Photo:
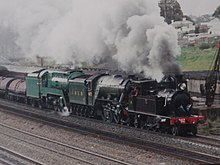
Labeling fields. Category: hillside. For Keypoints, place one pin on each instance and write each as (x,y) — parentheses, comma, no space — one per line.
(194,59)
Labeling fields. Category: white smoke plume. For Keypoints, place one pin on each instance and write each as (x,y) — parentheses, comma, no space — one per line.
(129,34)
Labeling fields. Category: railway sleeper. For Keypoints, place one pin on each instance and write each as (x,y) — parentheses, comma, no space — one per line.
(109,113)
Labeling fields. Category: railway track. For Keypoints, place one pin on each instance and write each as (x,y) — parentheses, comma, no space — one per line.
(208,140)
(19,156)
(190,155)
(200,141)
(57,147)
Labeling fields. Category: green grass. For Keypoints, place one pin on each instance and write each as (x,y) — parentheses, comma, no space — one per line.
(209,126)
(195,59)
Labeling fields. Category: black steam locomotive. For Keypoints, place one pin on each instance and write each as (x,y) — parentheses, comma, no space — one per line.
(165,106)
(144,103)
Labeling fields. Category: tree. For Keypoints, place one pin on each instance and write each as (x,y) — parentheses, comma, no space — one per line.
(170,10)
(217,13)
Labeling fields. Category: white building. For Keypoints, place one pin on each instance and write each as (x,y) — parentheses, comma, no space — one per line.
(214,26)
(208,32)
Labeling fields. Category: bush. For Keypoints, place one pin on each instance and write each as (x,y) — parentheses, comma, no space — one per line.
(204,46)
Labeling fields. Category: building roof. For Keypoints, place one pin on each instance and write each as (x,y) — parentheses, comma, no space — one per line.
(182,23)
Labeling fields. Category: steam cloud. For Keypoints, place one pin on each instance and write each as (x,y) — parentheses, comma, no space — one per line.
(128,34)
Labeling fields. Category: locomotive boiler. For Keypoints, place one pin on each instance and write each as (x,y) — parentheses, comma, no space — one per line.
(97,95)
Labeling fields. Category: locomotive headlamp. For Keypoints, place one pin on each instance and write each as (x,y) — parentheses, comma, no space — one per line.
(182,86)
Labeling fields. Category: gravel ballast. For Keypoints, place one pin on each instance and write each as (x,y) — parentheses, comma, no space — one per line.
(123,152)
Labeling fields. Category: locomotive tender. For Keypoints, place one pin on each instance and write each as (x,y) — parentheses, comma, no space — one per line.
(165,106)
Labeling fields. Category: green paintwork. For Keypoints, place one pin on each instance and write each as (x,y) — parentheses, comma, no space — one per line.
(78,93)
(44,83)
(32,86)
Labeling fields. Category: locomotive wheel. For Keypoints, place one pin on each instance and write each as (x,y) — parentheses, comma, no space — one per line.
(107,116)
(130,121)
(142,124)
(74,109)
(32,103)
(136,122)
(80,109)
(10,98)
(139,122)
(117,118)
(194,130)
(175,130)
(56,108)
(83,111)
(26,101)
(40,104)
(86,112)
(91,112)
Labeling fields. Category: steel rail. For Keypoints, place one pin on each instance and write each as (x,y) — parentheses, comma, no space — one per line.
(61,144)
(197,157)
(5,162)
(23,157)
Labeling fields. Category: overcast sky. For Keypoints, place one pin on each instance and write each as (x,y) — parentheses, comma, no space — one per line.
(199,7)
